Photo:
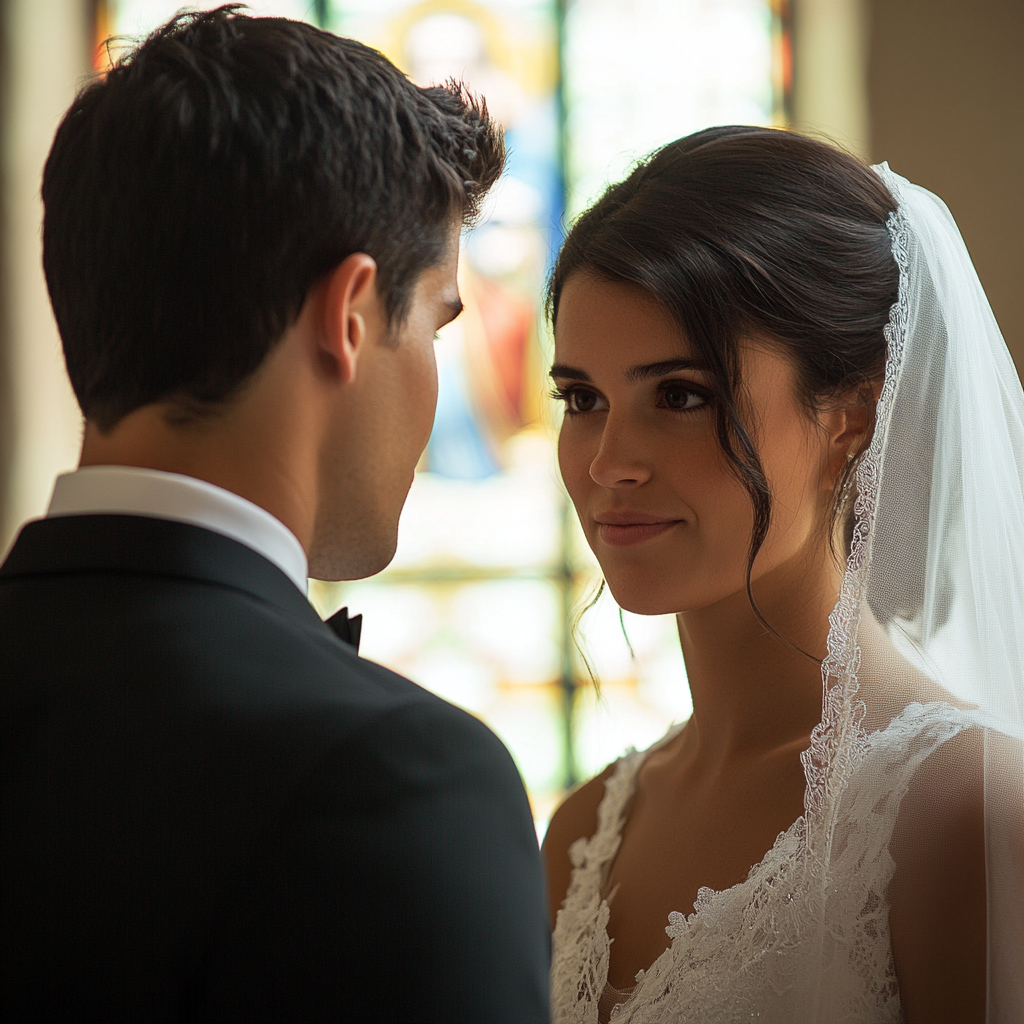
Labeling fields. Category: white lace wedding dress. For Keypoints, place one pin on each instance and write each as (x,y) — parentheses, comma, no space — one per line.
(926,644)
(754,952)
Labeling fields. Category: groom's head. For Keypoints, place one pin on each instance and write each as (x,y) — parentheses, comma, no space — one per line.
(235,184)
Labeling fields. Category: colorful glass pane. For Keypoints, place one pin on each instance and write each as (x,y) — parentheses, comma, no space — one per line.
(482,601)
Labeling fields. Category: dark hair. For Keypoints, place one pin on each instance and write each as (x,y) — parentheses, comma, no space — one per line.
(196,193)
(753,232)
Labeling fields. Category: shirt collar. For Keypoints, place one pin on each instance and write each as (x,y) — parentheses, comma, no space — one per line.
(129,490)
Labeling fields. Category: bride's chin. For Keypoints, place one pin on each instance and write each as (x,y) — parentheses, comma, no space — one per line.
(668,593)
(640,599)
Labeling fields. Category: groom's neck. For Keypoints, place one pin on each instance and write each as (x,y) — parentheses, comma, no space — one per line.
(262,445)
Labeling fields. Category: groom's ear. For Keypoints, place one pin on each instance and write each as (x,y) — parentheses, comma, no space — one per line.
(352,316)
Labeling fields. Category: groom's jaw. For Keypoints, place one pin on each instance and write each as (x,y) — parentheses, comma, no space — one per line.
(383,423)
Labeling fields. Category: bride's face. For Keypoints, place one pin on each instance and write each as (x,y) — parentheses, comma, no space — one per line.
(667,519)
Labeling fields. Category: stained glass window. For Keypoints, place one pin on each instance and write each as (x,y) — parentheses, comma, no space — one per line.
(482,603)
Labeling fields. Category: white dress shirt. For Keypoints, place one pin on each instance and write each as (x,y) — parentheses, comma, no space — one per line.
(127,490)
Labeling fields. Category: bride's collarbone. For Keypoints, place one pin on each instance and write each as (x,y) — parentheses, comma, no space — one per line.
(686,830)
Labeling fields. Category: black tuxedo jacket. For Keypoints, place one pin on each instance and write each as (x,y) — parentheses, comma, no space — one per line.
(212,810)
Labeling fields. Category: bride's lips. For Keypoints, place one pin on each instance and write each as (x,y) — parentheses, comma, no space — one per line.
(620,529)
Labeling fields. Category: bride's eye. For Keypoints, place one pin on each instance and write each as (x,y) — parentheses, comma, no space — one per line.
(577,400)
(680,397)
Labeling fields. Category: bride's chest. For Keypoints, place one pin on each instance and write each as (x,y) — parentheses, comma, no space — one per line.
(777,947)
(681,836)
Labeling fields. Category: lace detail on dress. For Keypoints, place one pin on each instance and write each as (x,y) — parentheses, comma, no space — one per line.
(583,934)
(804,938)
(611,999)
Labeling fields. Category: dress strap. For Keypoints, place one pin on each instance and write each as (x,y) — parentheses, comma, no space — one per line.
(590,857)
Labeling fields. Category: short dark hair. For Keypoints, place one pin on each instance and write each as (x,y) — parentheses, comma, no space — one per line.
(196,192)
(753,232)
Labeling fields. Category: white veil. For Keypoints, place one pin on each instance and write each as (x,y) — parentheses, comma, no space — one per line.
(937,561)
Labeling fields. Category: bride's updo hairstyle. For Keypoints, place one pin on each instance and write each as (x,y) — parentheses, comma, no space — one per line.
(744,232)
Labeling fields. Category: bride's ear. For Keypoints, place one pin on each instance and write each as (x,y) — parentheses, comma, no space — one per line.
(850,424)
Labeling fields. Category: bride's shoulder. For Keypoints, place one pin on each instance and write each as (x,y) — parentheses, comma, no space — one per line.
(958,850)
(967,765)
(937,893)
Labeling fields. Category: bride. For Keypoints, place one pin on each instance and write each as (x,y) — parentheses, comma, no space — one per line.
(790,420)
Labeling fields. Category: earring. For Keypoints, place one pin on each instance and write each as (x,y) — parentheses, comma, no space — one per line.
(849,456)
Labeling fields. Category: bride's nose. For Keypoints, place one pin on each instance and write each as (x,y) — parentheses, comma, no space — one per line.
(620,460)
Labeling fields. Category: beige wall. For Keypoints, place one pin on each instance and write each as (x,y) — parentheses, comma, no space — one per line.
(830,58)
(45,56)
(945,84)
(936,87)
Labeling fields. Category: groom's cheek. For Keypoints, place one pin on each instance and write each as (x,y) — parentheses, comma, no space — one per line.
(418,391)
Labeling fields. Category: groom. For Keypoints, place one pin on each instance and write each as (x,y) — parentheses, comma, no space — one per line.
(213,810)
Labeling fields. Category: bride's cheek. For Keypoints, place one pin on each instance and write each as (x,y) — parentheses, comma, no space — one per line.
(574,460)
(719,537)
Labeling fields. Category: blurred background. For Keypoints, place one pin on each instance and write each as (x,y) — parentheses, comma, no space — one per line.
(485,600)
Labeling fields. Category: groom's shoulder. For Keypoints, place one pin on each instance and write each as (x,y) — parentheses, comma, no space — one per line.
(390,708)
(181,618)
(380,734)
(404,732)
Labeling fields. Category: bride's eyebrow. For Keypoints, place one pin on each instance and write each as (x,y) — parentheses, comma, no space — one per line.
(570,373)
(638,373)
(633,375)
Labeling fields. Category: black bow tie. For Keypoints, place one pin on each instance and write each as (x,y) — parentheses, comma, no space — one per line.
(347,630)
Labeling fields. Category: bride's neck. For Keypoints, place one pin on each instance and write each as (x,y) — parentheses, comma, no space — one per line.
(751,692)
